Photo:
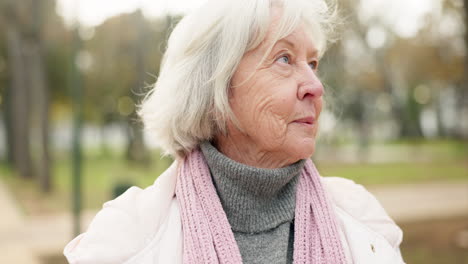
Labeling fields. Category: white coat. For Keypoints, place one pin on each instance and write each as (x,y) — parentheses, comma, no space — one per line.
(144,226)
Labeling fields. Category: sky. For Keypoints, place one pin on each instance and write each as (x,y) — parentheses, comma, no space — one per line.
(405,16)
(94,12)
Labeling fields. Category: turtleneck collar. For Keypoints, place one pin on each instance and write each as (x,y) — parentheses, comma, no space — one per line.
(254,199)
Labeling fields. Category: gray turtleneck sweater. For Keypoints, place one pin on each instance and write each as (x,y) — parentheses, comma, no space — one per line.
(259,204)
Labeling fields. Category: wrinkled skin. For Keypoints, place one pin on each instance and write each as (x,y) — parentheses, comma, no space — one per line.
(270,102)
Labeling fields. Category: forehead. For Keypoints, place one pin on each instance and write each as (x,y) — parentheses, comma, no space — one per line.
(300,37)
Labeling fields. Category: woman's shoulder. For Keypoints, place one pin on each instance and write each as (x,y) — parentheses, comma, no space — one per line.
(359,203)
(124,225)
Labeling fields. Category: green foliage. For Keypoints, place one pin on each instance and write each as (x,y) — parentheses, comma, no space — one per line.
(398,173)
(105,169)
(101,173)
(431,161)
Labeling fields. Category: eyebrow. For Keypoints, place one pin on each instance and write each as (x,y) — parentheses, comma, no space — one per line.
(293,46)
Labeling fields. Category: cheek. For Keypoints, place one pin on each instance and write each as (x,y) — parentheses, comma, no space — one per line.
(271,115)
(264,110)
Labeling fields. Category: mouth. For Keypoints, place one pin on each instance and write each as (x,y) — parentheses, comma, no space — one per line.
(310,120)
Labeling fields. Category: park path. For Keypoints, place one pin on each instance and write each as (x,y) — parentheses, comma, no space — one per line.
(416,202)
(23,239)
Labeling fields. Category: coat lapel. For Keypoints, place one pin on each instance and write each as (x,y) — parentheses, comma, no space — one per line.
(366,246)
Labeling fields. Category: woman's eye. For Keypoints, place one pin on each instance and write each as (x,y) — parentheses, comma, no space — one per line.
(283,59)
(313,65)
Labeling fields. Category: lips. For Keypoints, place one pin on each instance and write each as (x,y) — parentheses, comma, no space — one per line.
(306,120)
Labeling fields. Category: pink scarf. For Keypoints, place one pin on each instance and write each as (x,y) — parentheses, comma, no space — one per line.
(208,237)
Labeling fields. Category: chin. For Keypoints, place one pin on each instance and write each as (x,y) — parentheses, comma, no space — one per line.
(304,149)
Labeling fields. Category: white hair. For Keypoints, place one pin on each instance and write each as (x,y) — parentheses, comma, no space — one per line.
(190,100)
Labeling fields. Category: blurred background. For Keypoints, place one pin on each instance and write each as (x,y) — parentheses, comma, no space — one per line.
(72,71)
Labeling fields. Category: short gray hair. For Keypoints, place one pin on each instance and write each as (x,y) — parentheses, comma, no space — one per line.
(190,100)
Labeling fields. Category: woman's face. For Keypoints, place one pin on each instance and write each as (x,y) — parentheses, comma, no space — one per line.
(277,103)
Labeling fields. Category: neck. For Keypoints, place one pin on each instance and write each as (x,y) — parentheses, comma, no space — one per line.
(247,152)
(254,199)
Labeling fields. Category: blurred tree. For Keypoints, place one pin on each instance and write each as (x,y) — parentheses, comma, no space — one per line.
(409,73)
(136,149)
(28,93)
(4,99)
(463,100)
(40,91)
(18,94)
(125,53)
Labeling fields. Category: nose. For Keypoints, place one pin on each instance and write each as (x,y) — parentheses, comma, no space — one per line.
(309,84)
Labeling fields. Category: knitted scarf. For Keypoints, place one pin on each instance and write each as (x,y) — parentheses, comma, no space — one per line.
(208,237)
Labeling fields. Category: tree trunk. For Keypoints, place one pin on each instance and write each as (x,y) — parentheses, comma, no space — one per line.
(41,95)
(7,108)
(136,149)
(464,87)
(19,111)
(441,133)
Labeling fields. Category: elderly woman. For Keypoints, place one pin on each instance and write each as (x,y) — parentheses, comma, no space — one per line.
(237,105)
